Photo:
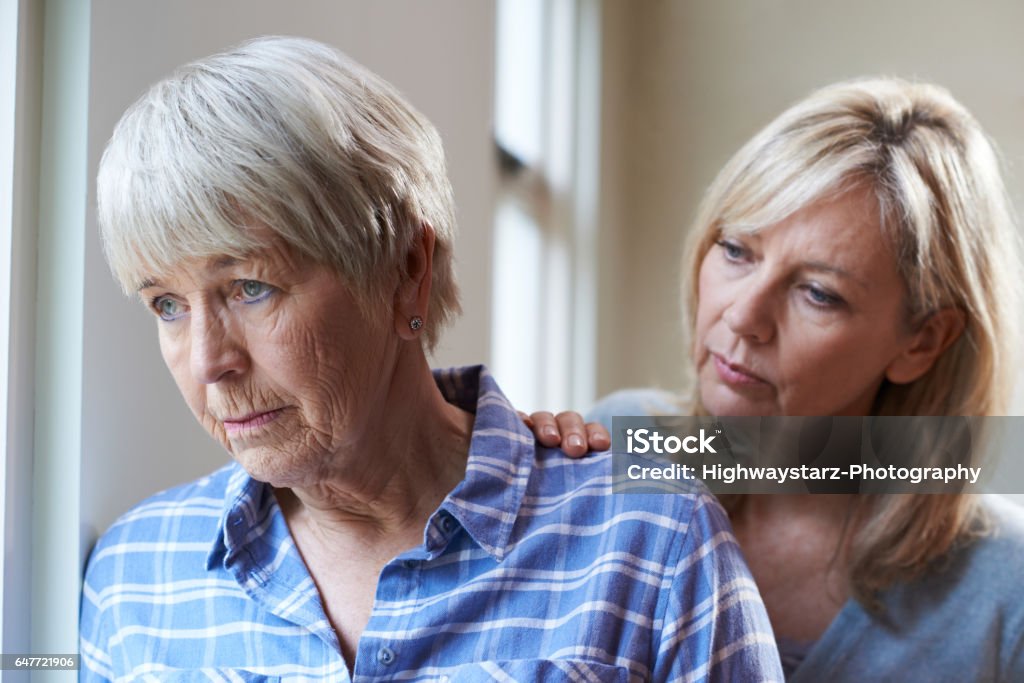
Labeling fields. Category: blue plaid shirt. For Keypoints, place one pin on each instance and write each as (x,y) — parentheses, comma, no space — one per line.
(530,570)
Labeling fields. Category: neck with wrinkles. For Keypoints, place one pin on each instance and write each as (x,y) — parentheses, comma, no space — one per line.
(396,472)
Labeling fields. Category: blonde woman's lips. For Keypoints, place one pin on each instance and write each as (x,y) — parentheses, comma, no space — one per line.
(250,422)
(736,375)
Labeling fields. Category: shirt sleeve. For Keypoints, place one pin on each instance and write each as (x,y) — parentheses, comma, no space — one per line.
(1013,630)
(715,626)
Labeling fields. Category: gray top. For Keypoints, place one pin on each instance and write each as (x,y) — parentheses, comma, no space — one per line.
(793,653)
(963,622)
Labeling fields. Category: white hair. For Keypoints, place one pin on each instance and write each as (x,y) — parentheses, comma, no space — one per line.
(289,134)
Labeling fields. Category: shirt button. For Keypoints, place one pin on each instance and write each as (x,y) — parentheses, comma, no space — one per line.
(386,656)
(447,523)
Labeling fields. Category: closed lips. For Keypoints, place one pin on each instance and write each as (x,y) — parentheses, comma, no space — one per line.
(735,373)
(255,419)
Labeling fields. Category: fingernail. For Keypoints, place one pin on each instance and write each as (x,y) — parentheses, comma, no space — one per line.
(575,441)
(550,432)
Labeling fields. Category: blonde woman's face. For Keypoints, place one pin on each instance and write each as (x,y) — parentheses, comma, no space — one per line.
(805,317)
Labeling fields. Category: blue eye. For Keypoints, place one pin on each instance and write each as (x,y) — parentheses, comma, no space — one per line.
(253,291)
(732,250)
(817,296)
(167,309)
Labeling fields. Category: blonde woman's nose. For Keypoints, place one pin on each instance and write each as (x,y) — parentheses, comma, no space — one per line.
(751,313)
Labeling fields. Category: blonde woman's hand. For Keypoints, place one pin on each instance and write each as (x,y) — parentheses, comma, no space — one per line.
(568,432)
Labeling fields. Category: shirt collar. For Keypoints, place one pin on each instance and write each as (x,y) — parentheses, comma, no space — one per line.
(244,498)
(501,455)
(485,503)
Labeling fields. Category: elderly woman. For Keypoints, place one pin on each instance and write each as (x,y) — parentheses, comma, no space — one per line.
(286,217)
(857,257)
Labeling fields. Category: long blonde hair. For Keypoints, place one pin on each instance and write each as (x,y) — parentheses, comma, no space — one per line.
(944,208)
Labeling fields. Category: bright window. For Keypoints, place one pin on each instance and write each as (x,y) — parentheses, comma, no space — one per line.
(544,305)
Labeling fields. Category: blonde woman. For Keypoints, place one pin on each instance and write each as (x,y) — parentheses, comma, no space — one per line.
(858,257)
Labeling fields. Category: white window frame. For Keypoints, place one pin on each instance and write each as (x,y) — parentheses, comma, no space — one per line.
(44,73)
(20,74)
(544,330)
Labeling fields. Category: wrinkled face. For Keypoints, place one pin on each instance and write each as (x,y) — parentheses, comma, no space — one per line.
(273,356)
(804,317)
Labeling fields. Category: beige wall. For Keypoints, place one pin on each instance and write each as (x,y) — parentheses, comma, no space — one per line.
(687,82)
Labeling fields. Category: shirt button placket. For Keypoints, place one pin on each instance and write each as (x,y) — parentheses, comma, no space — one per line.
(386,656)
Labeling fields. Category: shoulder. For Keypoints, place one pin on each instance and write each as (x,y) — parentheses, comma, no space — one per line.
(978,580)
(182,519)
(592,488)
(966,611)
(996,575)
(997,559)
(685,536)
(676,561)
(984,570)
(662,568)
(199,499)
(1007,516)
(157,571)
(642,401)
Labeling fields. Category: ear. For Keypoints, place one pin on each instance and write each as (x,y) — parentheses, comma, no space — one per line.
(412,296)
(935,335)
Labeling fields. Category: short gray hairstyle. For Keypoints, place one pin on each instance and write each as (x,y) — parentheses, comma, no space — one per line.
(290,134)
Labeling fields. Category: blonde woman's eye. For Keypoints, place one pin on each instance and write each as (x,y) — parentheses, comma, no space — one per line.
(821,298)
(253,291)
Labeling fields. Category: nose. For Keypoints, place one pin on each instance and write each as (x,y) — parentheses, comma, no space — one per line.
(751,314)
(217,350)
